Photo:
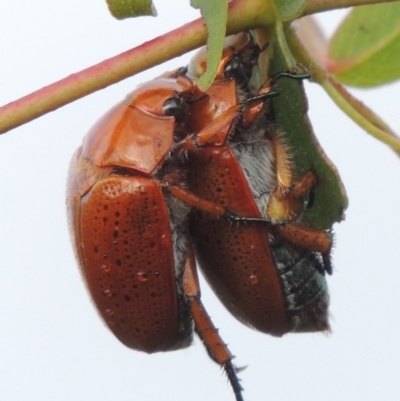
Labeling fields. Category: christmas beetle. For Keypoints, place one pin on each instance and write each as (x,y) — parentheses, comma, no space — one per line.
(127,210)
(128,207)
(270,278)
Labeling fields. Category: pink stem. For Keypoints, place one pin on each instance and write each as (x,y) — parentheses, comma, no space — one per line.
(115,69)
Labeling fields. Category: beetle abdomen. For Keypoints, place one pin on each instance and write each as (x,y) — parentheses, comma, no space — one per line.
(305,287)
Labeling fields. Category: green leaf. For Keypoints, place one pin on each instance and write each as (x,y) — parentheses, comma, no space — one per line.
(365,50)
(290,10)
(290,114)
(215,14)
(121,9)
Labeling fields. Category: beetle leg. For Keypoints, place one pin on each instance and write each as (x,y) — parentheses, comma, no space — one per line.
(310,238)
(266,92)
(195,201)
(286,203)
(282,161)
(305,237)
(212,130)
(205,328)
(248,110)
(302,185)
(287,200)
(205,205)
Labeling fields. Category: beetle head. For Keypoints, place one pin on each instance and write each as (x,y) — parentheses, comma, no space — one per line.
(239,56)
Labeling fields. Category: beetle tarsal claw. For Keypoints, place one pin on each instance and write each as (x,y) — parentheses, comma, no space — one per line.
(261,96)
(232,216)
(291,74)
(231,372)
(239,369)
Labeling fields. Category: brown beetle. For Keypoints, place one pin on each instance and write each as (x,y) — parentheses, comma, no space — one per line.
(127,213)
(270,279)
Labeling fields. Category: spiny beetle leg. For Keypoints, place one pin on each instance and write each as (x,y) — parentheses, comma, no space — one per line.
(306,237)
(218,124)
(205,205)
(303,184)
(287,200)
(209,133)
(205,329)
(309,238)
(194,200)
(283,162)
(264,93)
(231,371)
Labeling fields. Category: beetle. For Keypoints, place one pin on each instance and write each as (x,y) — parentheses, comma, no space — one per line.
(128,205)
(271,279)
(127,211)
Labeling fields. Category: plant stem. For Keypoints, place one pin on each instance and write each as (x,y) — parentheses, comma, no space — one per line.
(243,14)
(359,113)
(361,120)
(281,38)
(102,75)
(317,6)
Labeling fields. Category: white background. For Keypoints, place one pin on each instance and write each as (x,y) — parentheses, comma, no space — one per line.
(53,345)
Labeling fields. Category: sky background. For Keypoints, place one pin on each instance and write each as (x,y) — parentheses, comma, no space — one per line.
(53,345)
